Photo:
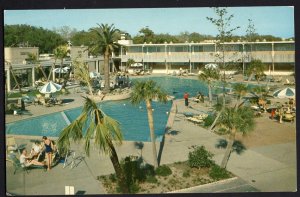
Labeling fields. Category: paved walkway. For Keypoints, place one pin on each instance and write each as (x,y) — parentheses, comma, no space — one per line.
(263,168)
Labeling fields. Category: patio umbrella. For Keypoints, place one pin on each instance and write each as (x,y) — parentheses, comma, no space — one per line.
(60,70)
(285,93)
(211,66)
(50,87)
(137,65)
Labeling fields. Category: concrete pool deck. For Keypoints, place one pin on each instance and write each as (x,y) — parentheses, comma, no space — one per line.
(268,164)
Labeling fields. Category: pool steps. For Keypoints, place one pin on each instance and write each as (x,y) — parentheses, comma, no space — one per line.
(65,118)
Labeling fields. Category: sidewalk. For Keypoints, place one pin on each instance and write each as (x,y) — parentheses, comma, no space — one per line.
(263,167)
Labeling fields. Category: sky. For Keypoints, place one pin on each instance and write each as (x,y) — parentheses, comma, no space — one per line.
(277,21)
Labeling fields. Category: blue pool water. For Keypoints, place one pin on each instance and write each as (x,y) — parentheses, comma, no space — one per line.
(133,119)
(177,86)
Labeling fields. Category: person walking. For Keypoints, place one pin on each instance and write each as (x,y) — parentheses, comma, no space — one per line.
(186,99)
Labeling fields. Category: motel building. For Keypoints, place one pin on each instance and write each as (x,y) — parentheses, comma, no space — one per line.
(279,56)
(27,73)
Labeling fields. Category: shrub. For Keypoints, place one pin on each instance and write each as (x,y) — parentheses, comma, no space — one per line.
(151,179)
(217,173)
(113,177)
(163,170)
(186,173)
(148,170)
(222,130)
(200,157)
(209,120)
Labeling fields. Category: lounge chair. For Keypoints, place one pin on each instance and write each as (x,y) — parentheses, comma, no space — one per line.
(288,82)
(279,79)
(17,165)
(11,144)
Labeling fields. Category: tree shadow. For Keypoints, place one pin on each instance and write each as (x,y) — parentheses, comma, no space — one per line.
(139,145)
(67,100)
(161,147)
(173,132)
(237,146)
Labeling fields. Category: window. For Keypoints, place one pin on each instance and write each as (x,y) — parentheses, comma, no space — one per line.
(24,53)
(284,47)
(209,48)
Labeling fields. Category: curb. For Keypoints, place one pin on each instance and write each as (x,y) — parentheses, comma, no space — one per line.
(186,190)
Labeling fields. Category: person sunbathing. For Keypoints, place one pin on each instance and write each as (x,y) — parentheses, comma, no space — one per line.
(28,161)
(36,149)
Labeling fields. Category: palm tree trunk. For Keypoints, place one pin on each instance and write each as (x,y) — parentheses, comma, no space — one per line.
(152,134)
(228,149)
(119,172)
(90,87)
(210,94)
(106,71)
(216,119)
(13,75)
(61,65)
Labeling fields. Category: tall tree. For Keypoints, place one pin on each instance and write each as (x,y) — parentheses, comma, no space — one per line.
(66,32)
(256,68)
(105,131)
(26,35)
(240,90)
(147,91)
(236,120)
(81,72)
(105,44)
(250,36)
(225,31)
(129,63)
(60,53)
(209,75)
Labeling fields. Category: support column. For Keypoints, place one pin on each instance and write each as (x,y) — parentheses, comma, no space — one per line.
(8,80)
(33,76)
(167,69)
(243,58)
(273,54)
(190,57)
(97,66)
(53,75)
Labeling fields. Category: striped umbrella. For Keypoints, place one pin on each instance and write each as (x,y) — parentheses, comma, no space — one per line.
(212,66)
(285,93)
(50,87)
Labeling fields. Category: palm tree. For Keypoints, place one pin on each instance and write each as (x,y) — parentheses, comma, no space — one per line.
(236,120)
(209,75)
(147,91)
(255,68)
(81,72)
(129,63)
(240,90)
(102,129)
(106,44)
(60,53)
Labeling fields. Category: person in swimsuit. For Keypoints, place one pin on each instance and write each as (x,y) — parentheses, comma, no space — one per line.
(48,150)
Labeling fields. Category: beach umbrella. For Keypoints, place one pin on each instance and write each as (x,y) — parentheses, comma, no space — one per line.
(214,66)
(137,65)
(50,87)
(60,70)
(285,93)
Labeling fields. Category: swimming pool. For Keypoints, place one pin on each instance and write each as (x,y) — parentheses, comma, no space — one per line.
(133,119)
(177,86)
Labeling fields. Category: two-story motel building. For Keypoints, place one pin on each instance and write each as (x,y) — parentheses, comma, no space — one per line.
(278,56)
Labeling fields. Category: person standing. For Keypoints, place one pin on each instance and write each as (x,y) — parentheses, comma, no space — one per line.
(186,99)
(48,150)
